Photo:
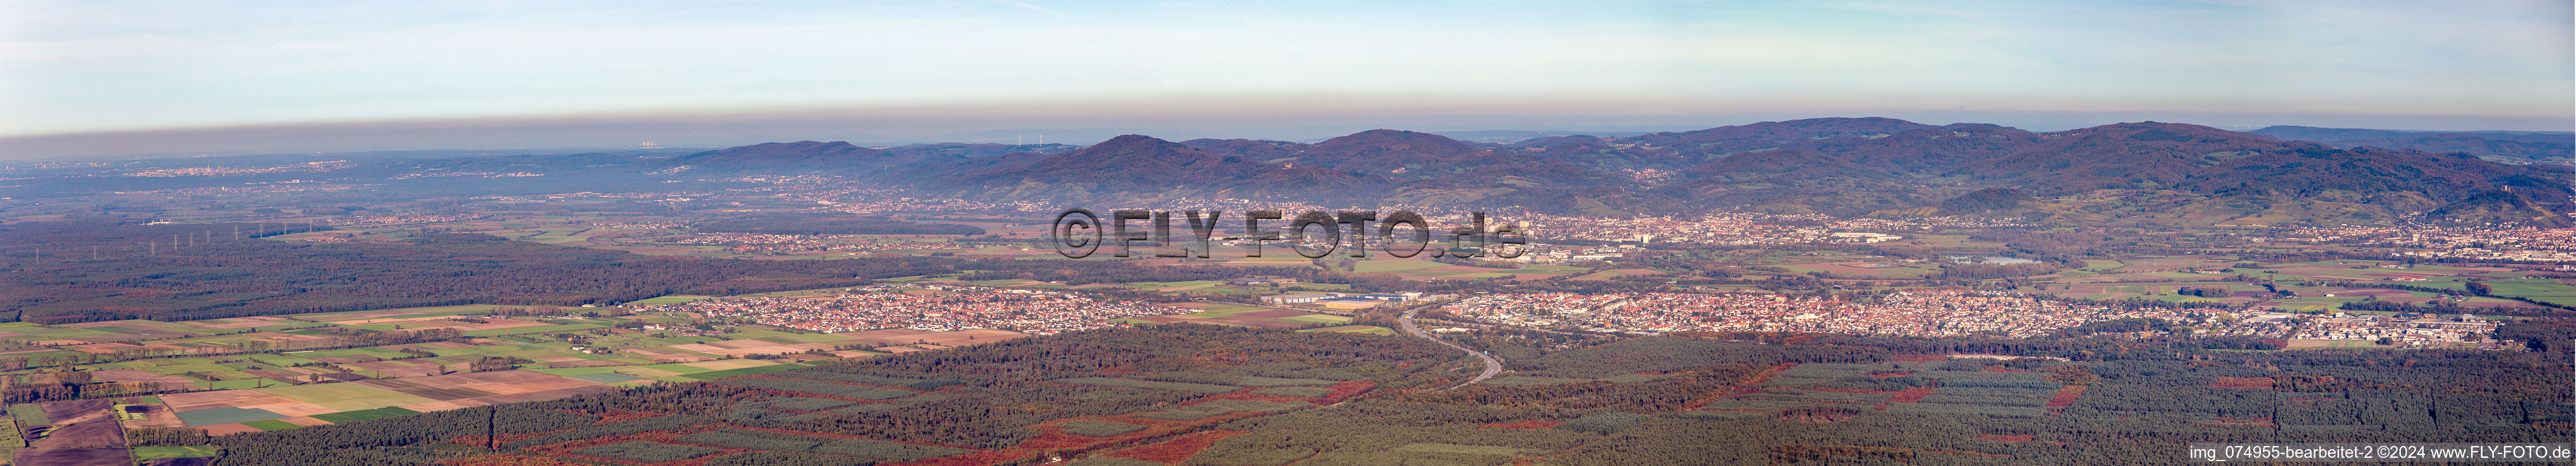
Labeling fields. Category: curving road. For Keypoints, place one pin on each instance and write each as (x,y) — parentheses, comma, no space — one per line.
(1492,366)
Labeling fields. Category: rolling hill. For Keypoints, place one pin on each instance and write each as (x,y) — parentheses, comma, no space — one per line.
(2511,147)
(2162,173)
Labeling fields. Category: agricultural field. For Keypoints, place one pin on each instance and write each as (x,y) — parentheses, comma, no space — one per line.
(2234,292)
(77,432)
(184,451)
(1616,274)
(230,411)
(2551,291)
(2161,278)
(1876,270)
(251,374)
(72,457)
(1361,329)
(608,385)
(782,415)
(1244,315)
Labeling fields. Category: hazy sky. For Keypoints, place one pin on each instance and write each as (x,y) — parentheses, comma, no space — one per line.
(97,77)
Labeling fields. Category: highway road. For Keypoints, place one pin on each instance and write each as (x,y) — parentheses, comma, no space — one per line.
(1492,366)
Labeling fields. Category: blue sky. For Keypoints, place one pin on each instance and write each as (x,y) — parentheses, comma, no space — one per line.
(191,70)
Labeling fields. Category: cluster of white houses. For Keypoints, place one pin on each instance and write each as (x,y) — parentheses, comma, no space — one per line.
(1343,300)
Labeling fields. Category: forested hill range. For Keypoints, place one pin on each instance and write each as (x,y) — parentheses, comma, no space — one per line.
(2128,174)
(2501,146)
(2188,174)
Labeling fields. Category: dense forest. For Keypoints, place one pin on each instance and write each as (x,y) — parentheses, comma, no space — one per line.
(974,398)
(1203,395)
(209,274)
(1814,399)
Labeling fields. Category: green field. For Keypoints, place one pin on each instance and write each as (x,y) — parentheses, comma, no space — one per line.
(1550,269)
(2549,291)
(1183,285)
(63,333)
(345,396)
(411,312)
(1366,329)
(271,424)
(364,414)
(240,384)
(28,414)
(1395,265)
(1228,309)
(670,368)
(538,329)
(195,451)
(575,370)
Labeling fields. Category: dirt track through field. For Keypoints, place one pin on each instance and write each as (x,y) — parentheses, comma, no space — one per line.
(1492,366)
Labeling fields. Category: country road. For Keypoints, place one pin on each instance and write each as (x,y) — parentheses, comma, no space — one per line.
(1492,366)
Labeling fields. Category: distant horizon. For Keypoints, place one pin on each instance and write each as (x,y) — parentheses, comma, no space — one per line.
(161,77)
(1009,232)
(426,136)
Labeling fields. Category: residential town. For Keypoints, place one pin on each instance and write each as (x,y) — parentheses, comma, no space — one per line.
(1914,313)
(2411,331)
(764,241)
(1724,228)
(235,171)
(2437,242)
(1931,313)
(1741,228)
